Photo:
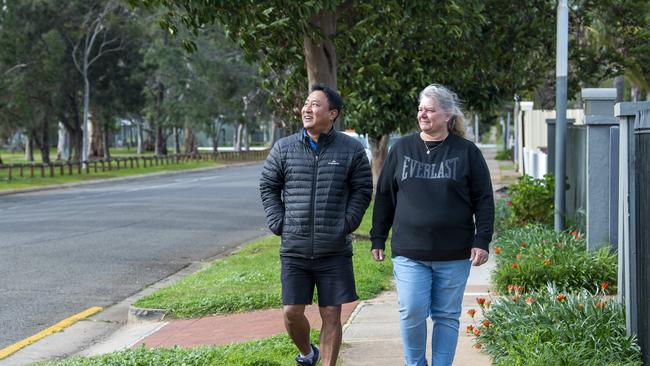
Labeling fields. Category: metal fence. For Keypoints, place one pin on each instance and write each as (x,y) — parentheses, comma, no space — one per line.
(576,172)
(642,212)
(60,169)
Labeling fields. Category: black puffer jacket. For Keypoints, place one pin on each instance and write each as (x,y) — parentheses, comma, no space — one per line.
(316,199)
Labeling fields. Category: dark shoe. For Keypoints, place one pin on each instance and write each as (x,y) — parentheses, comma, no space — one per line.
(314,360)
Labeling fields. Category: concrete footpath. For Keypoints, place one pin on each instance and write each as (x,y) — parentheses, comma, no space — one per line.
(370,335)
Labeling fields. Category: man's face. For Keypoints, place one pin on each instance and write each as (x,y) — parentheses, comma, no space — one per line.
(316,114)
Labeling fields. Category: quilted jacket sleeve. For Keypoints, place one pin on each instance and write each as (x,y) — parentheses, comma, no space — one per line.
(360,185)
(271,186)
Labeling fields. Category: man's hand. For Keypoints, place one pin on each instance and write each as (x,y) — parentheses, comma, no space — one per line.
(479,256)
(378,254)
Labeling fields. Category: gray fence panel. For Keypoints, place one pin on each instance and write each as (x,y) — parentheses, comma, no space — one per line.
(613,186)
(576,171)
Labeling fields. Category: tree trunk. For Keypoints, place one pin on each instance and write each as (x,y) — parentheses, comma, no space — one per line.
(86,141)
(379,149)
(45,140)
(29,148)
(96,136)
(215,136)
(140,149)
(63,144)
(320,55)
(244,136)
(106,141)
(619,84)
(159,116)
(177,144)
(189,142)
(238,137)
(278,130)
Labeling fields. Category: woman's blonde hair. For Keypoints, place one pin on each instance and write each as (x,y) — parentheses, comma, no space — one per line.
(449,103)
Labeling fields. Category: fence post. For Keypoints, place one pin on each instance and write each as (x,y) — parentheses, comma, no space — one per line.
(627,244)
(641,181)
(550,142)
(599,117)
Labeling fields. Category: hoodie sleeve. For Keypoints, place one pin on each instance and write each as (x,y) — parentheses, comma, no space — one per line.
(482,199)
(385,200)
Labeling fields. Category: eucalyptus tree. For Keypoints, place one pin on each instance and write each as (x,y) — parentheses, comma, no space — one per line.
(31,52)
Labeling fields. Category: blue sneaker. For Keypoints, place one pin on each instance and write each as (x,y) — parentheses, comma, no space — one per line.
(300,361)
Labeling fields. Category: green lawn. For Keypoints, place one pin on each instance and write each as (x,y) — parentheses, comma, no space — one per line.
(26,182)
(250,280)
(19,157)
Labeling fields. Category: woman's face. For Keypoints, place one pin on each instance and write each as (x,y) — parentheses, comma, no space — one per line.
(431,118)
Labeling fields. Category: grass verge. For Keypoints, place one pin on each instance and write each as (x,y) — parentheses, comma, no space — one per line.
(250,280)
(26,182)
(273,351)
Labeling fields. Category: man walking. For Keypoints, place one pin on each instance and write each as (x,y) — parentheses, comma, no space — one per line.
(315,187)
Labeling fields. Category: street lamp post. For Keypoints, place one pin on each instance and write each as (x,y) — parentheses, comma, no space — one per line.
(560,107)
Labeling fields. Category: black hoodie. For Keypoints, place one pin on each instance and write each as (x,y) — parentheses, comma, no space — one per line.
(439,205)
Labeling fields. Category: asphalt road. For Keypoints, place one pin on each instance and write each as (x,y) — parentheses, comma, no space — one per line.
(66,250)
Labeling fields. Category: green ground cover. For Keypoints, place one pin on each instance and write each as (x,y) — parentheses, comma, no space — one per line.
(273,351)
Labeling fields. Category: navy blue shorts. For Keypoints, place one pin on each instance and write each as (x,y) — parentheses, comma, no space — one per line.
(333,277)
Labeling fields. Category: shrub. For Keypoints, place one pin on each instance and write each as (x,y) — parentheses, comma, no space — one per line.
(555,328)
(533,256)
(504,154)
(502,214)
(532,200)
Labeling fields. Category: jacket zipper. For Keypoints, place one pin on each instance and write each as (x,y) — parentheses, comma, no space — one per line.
(313,203)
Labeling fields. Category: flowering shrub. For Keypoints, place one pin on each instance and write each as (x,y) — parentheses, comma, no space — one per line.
(556,328)
(532,200)
(533,256)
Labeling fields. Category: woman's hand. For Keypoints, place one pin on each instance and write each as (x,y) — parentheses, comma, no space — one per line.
(479,256)
(378,254)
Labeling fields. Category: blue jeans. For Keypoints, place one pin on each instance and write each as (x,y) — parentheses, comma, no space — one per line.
(432,289)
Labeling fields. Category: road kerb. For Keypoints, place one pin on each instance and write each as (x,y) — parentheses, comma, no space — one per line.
(8,351)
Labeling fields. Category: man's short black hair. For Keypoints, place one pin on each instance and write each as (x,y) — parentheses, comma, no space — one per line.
(333,97)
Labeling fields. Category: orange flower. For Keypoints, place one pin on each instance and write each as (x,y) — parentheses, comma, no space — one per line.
(600,304)
(511,288)
(547,262)
(576,234)
(519,288)
(509,203)
(470,328)
(530,300)
(604,286)
(515,265)
(486,323)
(523,244)
(480,301)
(560,297)
(477,346)
(476,332)
(497,250)
(471,312)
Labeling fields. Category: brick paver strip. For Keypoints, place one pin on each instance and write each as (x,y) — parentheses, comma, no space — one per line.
(234,328)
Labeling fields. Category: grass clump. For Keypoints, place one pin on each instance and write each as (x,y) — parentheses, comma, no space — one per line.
(533,256)
(556,328)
